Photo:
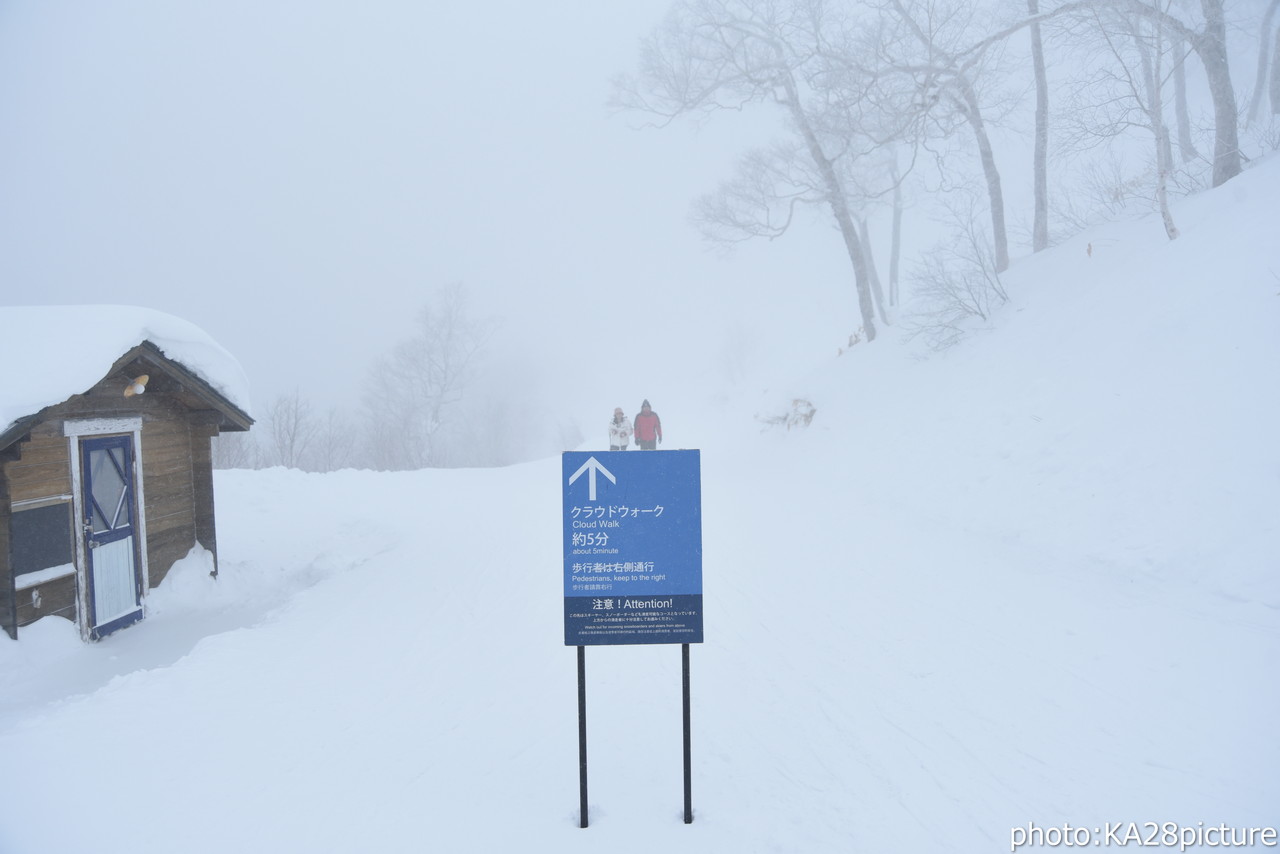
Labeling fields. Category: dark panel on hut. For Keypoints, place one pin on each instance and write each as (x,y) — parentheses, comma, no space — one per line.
(40,538)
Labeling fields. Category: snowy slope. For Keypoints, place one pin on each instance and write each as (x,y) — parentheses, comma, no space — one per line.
(1033,579)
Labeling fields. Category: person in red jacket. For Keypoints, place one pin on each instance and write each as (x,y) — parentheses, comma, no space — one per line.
(648,428)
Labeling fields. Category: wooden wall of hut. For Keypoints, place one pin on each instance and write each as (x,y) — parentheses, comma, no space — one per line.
(177,485)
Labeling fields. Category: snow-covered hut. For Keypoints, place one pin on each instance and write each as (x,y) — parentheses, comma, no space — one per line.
(106,475)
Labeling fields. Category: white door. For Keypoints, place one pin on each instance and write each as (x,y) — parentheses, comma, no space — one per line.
(110,534)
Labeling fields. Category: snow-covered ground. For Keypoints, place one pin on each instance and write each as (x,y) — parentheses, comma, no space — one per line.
(1033,580)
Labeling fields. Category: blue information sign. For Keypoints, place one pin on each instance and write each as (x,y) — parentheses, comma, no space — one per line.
(632,547)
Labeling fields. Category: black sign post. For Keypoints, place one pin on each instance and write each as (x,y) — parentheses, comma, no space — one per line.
(582,736)
(632,566)
(688,748)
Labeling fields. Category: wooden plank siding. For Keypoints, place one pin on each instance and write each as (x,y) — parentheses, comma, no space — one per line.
(43,470)
(55,598)
(168,486)
(202,488)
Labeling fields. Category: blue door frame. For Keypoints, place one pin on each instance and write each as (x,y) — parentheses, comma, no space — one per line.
(109,527)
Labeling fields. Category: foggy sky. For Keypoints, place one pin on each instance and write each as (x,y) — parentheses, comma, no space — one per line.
(298,177)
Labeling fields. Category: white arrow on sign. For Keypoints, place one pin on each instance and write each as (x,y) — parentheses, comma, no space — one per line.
(591,466)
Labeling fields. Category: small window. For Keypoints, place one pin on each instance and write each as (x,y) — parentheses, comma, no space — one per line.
(40,538)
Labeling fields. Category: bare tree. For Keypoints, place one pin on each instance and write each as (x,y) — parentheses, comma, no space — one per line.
(336,441)
(1264,60)
(1126,90)
(292,429)
(1040,165)
(895,241)
(1275,76)
(413,391)
(1186,146)
(945,51)
(1153,54)
(236,451)
(714,55)
(956,282)
(769,185)
(1209,41)
(877,290)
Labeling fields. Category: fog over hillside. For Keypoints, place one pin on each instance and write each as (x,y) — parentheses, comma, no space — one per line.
(302,179)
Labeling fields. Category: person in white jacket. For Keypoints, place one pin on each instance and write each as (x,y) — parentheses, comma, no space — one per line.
(619,431)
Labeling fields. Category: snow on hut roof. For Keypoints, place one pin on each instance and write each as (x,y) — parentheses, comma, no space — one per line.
(54,352)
